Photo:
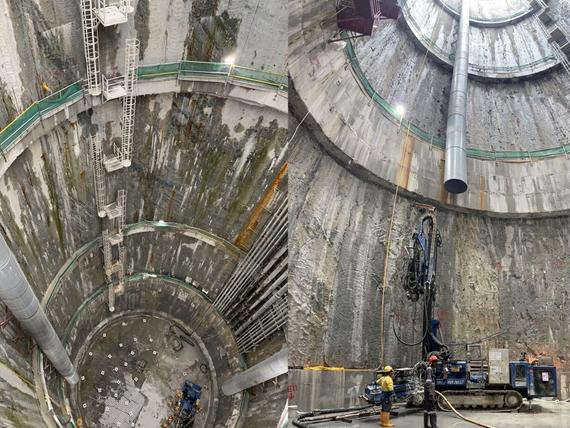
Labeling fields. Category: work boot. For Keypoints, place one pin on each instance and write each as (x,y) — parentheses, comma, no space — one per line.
(426,420)
(433,420)
(385,419)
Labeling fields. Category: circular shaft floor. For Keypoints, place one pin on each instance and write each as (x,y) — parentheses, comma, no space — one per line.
(131,370)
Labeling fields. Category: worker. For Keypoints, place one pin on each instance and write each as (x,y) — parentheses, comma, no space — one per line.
(430,417)
(387,387)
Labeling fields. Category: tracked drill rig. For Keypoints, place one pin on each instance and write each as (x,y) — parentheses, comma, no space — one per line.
(495,382)
(420,282)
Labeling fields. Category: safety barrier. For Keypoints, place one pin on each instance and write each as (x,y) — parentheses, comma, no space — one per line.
(198,68)
(437,141)
(22,124)
(182,70)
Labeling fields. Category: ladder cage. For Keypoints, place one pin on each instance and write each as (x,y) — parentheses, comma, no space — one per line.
(129,101)
(98,174)
(89,23)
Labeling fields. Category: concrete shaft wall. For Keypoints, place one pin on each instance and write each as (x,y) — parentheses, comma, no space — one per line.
(199,160)
(494,275)
(515,116)
(18,402)
(357,132)
(42,41)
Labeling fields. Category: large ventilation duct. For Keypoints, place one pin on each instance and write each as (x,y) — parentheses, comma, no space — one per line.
(17,294)
(268,369)
(456,134)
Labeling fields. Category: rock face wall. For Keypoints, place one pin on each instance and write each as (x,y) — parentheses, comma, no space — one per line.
(495,275)
(198,160)
(42,41)
(18,402)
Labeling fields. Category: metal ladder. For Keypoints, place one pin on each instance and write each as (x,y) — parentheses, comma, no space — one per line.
(561,56)
(91,46)
(129,101)
(99,175)
(108,13)
(115,267)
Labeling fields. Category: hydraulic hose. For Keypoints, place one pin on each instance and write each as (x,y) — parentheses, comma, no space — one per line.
(407,343)
(465,418)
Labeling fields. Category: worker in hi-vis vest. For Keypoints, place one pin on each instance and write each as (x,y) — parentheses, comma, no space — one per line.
(387,386)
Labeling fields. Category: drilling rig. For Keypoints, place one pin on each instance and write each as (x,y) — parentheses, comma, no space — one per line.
(495,382)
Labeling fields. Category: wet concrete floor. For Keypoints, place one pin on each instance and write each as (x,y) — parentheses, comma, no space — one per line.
(544,415)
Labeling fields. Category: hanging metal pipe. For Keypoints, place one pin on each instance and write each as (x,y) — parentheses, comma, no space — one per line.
(456,134)
(17,294)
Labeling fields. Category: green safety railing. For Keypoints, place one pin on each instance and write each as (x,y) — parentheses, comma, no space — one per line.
(198,68)
(22,124)
(391,113)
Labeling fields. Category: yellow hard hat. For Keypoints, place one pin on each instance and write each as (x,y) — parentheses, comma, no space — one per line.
(388,369)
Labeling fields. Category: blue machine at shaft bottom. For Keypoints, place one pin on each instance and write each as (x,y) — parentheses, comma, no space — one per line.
(190,396)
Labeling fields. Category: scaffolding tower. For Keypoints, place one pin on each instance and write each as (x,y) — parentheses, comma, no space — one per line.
(129,101)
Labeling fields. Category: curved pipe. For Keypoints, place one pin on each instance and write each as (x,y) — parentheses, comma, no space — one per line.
(456,133)
(17,294)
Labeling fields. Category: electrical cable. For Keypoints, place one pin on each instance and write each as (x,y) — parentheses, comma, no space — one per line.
(465,418)
(388,242)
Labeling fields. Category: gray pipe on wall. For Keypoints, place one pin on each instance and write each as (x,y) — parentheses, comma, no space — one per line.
(456,133)
(17,294)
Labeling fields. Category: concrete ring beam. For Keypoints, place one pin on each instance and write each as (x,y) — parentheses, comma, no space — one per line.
(485,64)
(220,89)
(496,21)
